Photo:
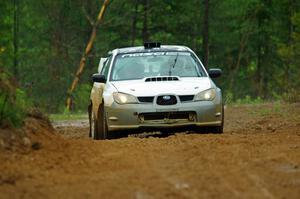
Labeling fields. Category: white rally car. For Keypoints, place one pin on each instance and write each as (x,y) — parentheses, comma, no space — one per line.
(154,87)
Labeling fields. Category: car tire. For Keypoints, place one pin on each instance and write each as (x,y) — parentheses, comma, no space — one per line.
(213,129)
(218,129)
(117,134)
(98,125)
(90,119)
(93,127)
(102,131)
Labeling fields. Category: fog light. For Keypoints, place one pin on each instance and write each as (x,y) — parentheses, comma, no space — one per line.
(142,119)
(191,117)
(113,118)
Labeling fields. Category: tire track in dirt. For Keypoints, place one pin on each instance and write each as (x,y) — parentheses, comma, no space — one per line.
(258,156)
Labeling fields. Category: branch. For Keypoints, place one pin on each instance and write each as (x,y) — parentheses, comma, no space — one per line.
(87,16)
(87,51)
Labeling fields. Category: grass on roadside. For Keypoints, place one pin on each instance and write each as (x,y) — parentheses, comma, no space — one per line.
(68,116)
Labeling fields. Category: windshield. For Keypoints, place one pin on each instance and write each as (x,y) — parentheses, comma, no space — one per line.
(140,65)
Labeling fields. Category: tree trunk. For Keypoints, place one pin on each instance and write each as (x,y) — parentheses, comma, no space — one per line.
(264,60)
(87,51)
(15,42)
(206,33)
(287,74)
(145,24)
(259,72)
(134,20)
(235,70)
(196,28)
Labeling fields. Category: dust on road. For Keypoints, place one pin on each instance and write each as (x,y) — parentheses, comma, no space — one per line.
(258,156)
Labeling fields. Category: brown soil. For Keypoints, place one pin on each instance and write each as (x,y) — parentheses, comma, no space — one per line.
(258,156)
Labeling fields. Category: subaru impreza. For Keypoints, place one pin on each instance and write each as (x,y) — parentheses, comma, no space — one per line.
(154,88)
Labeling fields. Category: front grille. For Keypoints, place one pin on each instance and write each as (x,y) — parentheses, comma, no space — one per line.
(165,115)
(146,99)
(184,98)
(166,100)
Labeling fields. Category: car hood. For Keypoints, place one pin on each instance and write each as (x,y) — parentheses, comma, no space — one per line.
(185,86)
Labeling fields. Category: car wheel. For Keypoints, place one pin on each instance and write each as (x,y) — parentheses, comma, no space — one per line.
(218,129)
(93,127)
(215,129)
(117,134)
(212,129)
(90,118)
(102,130)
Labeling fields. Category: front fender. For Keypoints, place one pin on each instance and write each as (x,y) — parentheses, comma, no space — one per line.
(96,97)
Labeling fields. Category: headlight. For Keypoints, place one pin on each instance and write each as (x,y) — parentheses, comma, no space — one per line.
(122,98)
(207,95)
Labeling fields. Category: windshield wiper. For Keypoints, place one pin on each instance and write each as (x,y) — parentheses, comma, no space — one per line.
(172,66)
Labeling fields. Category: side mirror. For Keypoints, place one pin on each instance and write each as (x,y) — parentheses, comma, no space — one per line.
(98,78)
(214,72)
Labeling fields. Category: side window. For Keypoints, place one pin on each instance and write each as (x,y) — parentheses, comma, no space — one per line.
(105,69)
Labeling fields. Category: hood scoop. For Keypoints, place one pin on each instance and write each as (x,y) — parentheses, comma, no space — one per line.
(162,78)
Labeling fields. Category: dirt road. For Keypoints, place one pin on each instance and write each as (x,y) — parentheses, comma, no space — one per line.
(258,156)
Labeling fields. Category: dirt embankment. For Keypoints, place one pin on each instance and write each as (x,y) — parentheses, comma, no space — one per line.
(36,129)
(258,156)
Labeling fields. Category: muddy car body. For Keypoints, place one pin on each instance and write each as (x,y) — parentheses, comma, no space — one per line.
(152,87)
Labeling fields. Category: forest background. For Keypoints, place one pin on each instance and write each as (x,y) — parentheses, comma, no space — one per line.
(255,42)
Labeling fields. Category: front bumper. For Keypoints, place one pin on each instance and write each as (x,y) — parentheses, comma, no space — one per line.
(131,116)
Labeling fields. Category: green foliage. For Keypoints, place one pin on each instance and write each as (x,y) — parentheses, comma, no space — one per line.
(249,100)
(255,42)
(291,96)
(276,108)
(13,102)
(82,97)
(68,116)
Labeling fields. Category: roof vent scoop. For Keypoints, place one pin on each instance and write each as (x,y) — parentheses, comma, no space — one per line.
(149,45)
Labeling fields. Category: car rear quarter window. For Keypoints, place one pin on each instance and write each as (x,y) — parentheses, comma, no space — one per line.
(105,69)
